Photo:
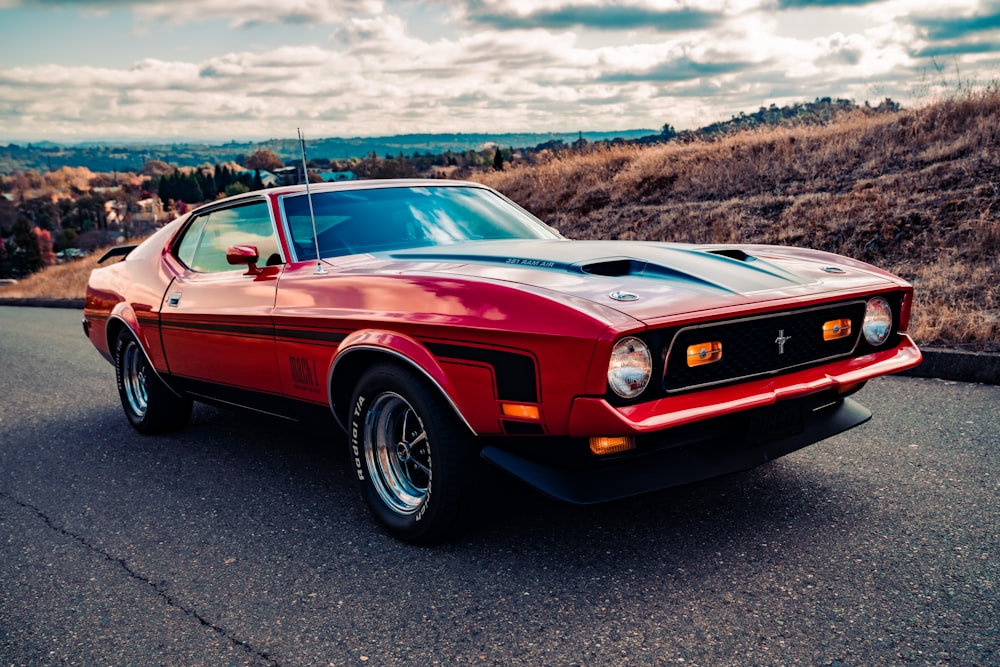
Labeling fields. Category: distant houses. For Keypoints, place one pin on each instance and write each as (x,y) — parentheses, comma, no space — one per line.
(147,212)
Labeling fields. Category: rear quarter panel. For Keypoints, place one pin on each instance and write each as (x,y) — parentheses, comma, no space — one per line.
(131,292)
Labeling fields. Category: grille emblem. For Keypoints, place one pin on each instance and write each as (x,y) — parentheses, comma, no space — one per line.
(781,340)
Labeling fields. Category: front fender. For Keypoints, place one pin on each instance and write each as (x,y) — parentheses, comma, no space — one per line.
(361,348)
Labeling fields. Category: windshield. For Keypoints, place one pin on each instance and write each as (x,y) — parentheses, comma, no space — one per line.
(349,222)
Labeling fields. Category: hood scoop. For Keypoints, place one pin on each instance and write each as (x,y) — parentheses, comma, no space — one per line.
(732,253)
(613,268)
(620,267)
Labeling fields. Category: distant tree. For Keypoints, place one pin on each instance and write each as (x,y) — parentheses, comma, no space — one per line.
(41,212)
(180,187)
(668,131)
(888,106)
(67,238)
(263,159)
(8,216)
(25,258)
(222,177)
(86,213)
(206,183)
(190,190)
(155,168)
(393,168)
(4,260)
(498,160)
(258,183)
(236,188)
(44,240)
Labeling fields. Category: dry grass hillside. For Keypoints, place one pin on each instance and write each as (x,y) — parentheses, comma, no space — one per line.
(917,193)
(62,281)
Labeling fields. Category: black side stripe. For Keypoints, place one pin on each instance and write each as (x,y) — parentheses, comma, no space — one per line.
(311,334)
(252,330)
(515,372)
(238,329)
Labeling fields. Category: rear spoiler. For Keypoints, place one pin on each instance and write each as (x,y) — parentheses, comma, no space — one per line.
(117,251)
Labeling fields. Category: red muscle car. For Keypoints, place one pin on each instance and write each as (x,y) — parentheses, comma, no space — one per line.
(441,325)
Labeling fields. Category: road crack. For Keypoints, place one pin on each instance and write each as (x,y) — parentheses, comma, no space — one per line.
(132,574)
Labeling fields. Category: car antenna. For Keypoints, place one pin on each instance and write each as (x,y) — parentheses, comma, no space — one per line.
(312,214)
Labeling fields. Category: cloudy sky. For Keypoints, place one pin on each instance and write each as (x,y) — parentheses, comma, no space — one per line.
(217,70)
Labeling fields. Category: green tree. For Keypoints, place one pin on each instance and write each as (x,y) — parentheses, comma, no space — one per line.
(4,260)
(41,212)
(25,257)
(498,160)
(8,216)
(236,188)
(206,183)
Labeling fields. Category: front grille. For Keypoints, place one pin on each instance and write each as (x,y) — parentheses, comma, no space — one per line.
(761,345)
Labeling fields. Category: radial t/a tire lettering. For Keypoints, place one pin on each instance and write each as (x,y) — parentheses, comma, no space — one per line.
(415,461)
(151,407)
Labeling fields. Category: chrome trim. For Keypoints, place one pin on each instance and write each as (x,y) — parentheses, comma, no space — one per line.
(781,369)
(398,355)
(624,296)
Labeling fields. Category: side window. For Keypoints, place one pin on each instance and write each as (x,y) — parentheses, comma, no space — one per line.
(203,247)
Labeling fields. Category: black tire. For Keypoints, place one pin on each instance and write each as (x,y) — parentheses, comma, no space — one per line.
(415,461)
(151,407)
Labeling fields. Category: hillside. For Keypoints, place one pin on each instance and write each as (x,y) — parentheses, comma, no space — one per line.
(917,193)
(131,156)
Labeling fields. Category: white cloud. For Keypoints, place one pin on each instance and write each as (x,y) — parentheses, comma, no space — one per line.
(369,70)
(240,13)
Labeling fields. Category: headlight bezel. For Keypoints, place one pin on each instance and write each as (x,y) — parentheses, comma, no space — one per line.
(630,352)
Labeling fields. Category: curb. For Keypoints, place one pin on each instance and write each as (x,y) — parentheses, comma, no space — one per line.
(941,364)
(959,366)
(75,304)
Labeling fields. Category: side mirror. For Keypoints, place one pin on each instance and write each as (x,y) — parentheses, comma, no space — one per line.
(244,255)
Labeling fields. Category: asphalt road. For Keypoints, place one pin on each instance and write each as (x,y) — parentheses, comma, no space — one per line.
(239,542)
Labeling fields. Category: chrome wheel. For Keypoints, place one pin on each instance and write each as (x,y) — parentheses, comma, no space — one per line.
(149,404)
(134,370)
(397,453)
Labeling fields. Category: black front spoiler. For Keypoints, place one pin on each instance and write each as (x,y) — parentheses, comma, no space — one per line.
(673,466)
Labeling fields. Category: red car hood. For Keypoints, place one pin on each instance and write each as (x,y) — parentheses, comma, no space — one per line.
(649,281)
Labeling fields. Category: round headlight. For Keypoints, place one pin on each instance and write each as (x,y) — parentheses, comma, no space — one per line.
(630,367)
(878,321)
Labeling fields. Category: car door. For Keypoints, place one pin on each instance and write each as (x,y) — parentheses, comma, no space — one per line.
(216,318)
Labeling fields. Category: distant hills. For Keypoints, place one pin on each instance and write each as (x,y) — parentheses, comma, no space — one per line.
(131,156)
(125,156)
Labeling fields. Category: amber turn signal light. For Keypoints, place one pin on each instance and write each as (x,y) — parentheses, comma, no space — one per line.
(704,353)
(611,445)
(520,410)
(836,329)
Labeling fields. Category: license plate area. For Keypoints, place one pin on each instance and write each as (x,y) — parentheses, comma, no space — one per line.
(781,420)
